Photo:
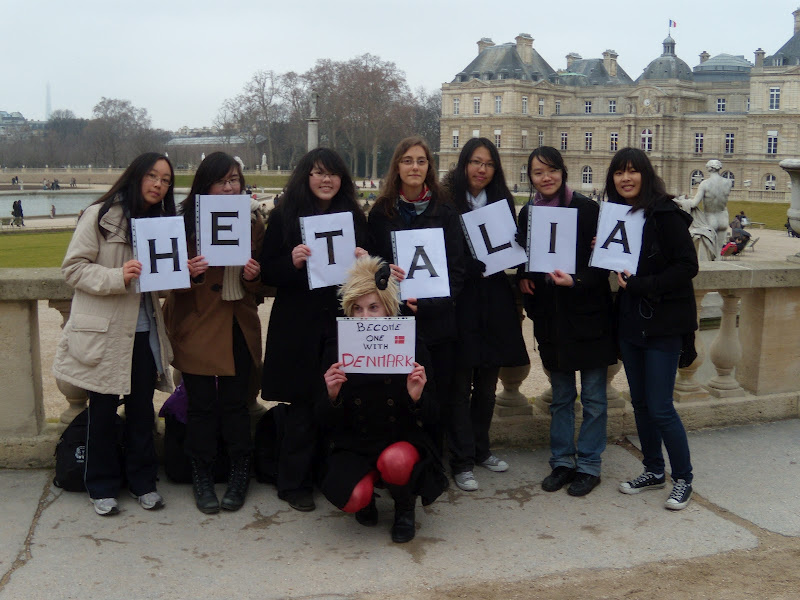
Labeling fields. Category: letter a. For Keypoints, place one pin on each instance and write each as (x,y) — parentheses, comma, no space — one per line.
(420,254)
(620,227)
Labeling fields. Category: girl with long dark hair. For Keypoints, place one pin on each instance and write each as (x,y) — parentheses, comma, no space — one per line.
(115,343)
(216,335)
(657,317)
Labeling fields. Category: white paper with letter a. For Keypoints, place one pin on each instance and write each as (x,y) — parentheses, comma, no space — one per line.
(552,239)
(377,345)
(223,229)
(160,245)
(491,233)
(619,238)
(422,255)
(332,239)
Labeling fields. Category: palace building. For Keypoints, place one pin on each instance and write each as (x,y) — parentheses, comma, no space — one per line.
(745,114)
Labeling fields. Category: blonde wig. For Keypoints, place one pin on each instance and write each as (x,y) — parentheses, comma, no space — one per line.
(364,278)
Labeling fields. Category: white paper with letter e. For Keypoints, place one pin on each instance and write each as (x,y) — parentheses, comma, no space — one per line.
(377,345)
(552,239)
(619,238)
(491,233)
(160,245)
(422,255)
(332,239)
(223,229)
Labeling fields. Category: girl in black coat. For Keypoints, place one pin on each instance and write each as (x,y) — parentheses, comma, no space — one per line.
(489,328)
(373,423)
(301,319)
(573,328)
(410,199)
(657,315)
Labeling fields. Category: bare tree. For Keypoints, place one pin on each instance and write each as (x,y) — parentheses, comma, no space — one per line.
(116,124)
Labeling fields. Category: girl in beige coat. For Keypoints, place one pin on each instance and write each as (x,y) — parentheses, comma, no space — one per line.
(114,343)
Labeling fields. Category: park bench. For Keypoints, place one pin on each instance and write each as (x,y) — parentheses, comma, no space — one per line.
(751,244)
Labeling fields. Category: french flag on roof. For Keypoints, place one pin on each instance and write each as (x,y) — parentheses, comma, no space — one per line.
(672,23)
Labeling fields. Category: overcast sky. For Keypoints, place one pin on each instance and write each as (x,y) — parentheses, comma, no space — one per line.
(180,59)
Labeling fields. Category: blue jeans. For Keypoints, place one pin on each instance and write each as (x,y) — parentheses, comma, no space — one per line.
(651,377)
(592,436)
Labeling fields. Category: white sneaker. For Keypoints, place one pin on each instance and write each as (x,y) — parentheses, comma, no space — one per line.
(105,506)
(466,481)
(495,464)
(150,501)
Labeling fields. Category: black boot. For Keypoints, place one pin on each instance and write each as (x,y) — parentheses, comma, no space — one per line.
(369,514)
(203,487)
(238,482)
(404,527)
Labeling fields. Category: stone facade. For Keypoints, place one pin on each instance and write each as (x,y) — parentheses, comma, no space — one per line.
(745,114)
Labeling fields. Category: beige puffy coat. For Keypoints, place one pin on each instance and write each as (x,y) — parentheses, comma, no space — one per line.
(96,348)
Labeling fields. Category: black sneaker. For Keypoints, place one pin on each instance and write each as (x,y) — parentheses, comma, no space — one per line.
(680,495)
(558,479)
(583,484)
(645,481)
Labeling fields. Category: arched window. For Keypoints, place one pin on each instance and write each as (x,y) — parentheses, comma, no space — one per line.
(647,140)
(769,182)
(729,175)
(587,174)
(697,177)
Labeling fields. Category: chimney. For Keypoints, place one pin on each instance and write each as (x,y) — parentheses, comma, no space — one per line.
(760,58)
(796,21)
(610,62)
(704,56)
(484,43)
(571,58)
(525,47)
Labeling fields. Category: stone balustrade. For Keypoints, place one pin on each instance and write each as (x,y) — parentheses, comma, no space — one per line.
(755,355)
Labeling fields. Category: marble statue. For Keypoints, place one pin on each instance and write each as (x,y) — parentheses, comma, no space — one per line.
(313,98)
(711,222)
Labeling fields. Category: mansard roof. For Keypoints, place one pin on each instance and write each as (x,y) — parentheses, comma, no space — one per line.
(504,62)
(788,54)
(592,71)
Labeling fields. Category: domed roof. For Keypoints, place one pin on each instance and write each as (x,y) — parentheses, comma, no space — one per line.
(668,65)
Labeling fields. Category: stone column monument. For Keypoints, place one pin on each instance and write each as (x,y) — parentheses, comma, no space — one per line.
(313,122)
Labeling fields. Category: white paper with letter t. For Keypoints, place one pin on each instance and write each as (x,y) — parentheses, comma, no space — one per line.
(332,239)
(422,255)
(619,238)
(377,345)
(160,245)
(491,234)
(552,239)
(223,229)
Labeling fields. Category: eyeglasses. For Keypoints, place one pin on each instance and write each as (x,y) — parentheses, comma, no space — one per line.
(155,178)
(232,181)
(489,166)
(407,162)
(322,175)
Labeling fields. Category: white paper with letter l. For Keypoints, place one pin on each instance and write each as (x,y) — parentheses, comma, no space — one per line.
(160,245)
(552,239)
(377,345)
(223,229)
(421,254)
(491,234)
(619,238)
(332,239)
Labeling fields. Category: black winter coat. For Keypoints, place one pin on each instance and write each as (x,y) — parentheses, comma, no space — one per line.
(300,321)
(436,317)
(659,299)
(489,325)
(573,326)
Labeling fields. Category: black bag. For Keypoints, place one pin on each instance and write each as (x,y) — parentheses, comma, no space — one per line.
(688,351)
(267,442)
(70,453)
(177,465)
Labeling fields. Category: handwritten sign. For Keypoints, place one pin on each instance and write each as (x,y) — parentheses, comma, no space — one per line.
(552,239)
(223,229)
(421,254)
(491,234)
(332,239)
(619,238)
(160,245)
(377,345)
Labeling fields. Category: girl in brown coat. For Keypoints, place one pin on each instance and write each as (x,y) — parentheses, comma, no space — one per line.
(216,336)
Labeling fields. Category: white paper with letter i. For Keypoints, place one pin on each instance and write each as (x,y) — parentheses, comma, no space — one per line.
(552,239)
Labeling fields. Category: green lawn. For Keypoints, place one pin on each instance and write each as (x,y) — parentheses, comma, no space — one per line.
(772,214)
(20,250)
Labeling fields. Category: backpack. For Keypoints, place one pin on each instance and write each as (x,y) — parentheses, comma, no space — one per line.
(70,453)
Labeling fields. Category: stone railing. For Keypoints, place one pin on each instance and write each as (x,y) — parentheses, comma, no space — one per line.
(754,367)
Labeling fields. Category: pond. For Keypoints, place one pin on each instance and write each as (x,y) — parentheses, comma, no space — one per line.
(38,204)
